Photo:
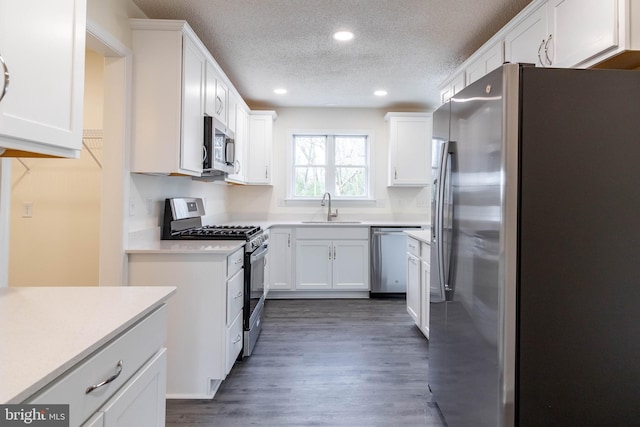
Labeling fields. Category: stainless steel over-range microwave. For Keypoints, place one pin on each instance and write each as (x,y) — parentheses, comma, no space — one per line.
(219,147)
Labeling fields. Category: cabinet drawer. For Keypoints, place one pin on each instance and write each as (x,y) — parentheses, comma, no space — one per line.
(234,342)
(413,246)
(425,252)
(326,232)
(134,347)
(234,262)
(235,296)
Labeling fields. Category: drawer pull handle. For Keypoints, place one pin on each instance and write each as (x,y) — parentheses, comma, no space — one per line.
(108,380)
(238,261)
(238,295)
(237,340)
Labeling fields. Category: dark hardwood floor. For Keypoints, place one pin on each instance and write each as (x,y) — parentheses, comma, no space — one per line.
(324,363)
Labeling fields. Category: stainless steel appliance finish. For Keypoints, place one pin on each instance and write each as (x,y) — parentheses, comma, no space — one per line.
(537,242)
(388,275)
(218,147)
(183,221)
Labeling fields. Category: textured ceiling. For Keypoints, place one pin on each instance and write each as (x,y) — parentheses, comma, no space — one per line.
(407,47)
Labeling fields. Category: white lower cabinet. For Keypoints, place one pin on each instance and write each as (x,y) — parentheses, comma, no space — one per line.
(418,283)
(413,287)
(123,384)
(332,259)
(138,402)
(280,259)
(204,335)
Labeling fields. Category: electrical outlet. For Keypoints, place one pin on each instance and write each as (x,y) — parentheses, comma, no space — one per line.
(27,210)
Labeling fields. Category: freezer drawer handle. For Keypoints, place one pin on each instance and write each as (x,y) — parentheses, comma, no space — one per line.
(108,380)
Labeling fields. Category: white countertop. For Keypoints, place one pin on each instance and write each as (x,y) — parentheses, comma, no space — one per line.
(422,235)
(148,241)
(44,331)
(222,247)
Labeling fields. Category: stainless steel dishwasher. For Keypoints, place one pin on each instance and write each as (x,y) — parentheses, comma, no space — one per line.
(388,262)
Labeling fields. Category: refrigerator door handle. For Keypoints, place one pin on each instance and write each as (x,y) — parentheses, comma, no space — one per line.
(440,215)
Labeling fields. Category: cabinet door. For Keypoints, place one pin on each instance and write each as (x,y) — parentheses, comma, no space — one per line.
(451,89)
(581,29)
(240,166)
(141,401)
(259,149)
(487,62)
(210,90)
(191,147)
(280,254)
(413,287)
(425,280)
(410,150)
(42,45)
(221,102)
(351,264)
(314,259)
(526,42)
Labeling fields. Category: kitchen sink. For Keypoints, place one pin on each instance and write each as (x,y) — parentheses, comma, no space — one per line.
(331,222)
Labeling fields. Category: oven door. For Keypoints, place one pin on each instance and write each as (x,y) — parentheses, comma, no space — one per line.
(254,296)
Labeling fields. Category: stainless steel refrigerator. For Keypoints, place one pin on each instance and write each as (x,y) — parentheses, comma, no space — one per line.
(537,247)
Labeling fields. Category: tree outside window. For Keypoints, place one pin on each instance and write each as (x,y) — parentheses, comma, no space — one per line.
(338,164)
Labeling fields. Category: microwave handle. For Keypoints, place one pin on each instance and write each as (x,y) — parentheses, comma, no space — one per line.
(204,153)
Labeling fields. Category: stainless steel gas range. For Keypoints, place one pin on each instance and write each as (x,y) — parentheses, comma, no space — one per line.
(183,221)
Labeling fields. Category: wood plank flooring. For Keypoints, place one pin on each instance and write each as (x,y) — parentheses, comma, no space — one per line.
(324,363)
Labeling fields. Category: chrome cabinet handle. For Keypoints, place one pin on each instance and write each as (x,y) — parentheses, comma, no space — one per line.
(539,50)
(107,381)
(334,252)
(7,76)
(238,295)
(266,171)
(395,173)
(237,340)
(412,260)
(238,261)
(288,240)
(329,252)
(546,50)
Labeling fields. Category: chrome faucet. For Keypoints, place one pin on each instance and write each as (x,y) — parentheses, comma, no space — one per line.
(329,213)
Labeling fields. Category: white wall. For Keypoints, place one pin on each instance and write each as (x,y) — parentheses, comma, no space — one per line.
(390,203)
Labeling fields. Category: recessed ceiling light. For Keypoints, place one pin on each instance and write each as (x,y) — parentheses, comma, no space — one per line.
(343,36)
(380,93)
(280,91)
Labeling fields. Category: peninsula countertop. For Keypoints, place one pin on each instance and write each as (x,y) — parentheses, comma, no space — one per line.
(45,331)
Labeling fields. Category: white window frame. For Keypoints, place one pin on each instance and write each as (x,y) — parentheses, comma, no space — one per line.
(330,168)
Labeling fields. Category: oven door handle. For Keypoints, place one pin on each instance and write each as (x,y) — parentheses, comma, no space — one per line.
(259,253)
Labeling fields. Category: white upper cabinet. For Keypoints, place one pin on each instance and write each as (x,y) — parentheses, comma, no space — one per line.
(581,29)
(168,98)
(488,61)
(258,153)
(42,46)
(409,142)
(452,87)
(527,41)
(217,96)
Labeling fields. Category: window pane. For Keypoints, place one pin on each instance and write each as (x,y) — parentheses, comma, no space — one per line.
(350,182)
(351,150)
(310,150)
(309,181)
